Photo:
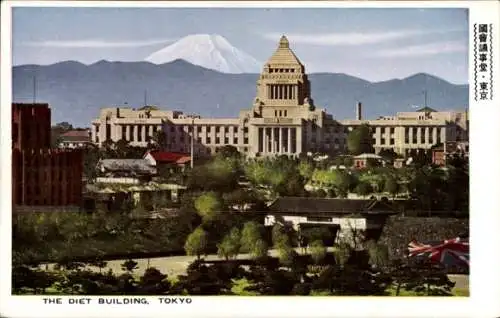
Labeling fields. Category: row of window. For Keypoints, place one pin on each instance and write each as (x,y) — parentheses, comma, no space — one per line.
(281,70)
(208,129)
(208,140)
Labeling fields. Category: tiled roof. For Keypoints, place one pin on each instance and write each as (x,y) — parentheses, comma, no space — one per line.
(169,157)
(299,205)
(76,135)
(132,165)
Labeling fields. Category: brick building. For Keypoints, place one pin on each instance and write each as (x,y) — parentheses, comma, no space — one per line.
(42,177)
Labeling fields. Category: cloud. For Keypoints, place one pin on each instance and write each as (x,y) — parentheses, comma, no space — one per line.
(352,38)
(423,49)
(95,43)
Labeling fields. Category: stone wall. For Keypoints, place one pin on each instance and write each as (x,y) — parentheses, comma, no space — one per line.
(399,231)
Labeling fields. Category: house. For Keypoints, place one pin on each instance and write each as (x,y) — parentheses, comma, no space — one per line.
(159,158)
(75,139)
(439,152)
(343,215)
(126,171)
(365,160)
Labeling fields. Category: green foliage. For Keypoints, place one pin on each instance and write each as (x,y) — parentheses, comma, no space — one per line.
(306,169)
(259,249)
(55,236)
(129,266)
(196,243)
(364,189)
(228,151)
(209,206)
(342,253)
(230,245)
(220,174)
(279,175)
(360,140)
(391,186)
(280,237)
(378,253)
(250,235)
(318,251)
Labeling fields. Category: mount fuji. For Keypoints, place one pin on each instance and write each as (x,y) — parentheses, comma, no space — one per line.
(211,51)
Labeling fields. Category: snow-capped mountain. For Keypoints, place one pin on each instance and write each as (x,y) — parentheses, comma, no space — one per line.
(210,51)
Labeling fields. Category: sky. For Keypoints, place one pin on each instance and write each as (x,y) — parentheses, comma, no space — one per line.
(374,44)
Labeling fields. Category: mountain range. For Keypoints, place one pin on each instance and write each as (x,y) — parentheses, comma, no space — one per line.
(76,91)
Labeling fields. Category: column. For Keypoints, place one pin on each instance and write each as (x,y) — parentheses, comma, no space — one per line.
(150,131)
(264,140)
(419,135)
(298,138)
(434,135)
(280,149)
(289,150)
(273,148)
(127,132)
(427,135)
(268,91)
(94,133)
(136,132)
(411,135)
(294,91)
(143,132)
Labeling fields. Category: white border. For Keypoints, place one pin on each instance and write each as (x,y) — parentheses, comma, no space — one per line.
(485,202)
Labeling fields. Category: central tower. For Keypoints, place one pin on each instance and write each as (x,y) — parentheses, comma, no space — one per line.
(283,82)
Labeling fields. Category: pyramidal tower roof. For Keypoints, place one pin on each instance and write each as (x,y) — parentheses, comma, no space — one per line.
(284,55)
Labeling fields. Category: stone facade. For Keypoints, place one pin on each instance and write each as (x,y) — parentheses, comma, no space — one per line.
(282,120)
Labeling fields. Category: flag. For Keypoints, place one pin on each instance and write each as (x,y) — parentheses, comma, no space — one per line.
(450,253)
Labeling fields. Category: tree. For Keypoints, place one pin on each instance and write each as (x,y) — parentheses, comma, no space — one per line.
(364,189)
(208,206)
(129,266)
(318,251)
(159,139)
(306,169)
(250,235)
(388,154)
(360,140)
(228,151)
(259,249)
(230,245)
(378,254)
(153,282)
(391,186)
(286,254)
(196,243)
(342,253)
(279,236)
(122,148)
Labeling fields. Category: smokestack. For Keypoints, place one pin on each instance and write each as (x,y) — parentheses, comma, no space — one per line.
(359,110)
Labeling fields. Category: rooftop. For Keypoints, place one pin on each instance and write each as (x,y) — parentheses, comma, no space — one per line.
(132,165)
(300,205)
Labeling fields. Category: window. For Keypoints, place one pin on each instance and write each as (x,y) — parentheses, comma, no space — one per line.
(245,141)
(285,113)
(217,129)
(209,140)
(235,140)
(245,130)
(172,128)
(382,141)
(217,140)
(392,130)
(226,141)
(199,129)
(392,141)
(275,113)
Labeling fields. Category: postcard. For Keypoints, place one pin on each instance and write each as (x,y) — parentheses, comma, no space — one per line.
(241,159)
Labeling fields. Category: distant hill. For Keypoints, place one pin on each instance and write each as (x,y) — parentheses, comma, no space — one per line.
(77,91)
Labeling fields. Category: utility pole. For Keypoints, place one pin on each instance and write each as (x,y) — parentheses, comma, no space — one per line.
(192,141)
(145,98)
(34,89)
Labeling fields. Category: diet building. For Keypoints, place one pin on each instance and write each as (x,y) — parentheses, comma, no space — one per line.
(282,120)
